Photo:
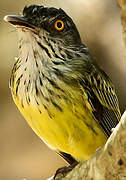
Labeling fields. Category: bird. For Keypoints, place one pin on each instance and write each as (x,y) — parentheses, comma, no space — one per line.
(57,85)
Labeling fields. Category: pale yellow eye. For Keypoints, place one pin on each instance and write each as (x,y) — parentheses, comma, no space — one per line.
(59,25)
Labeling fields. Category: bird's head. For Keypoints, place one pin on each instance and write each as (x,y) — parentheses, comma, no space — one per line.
(44,21)
(48,35)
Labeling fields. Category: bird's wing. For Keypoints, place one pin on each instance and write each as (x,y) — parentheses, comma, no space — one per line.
(103,99)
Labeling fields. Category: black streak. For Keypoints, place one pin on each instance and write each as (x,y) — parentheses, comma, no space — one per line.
(36,89)
(37,102)
(40,81)
(40,111)
(57,106)
(16,89)
(36,64)
(44,48)
(120,162)
(91,128)
(22,104)
(54,84)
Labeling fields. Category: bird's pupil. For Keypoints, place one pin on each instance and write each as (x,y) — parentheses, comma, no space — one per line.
(59,24)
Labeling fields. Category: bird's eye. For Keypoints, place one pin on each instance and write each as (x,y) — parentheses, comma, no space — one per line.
(59,25)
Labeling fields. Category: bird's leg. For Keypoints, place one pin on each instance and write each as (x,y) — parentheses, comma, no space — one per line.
(61,172)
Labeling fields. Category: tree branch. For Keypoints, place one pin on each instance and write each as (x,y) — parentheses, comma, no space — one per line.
(122,4)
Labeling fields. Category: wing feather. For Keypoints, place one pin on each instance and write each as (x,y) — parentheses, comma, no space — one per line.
(104,99)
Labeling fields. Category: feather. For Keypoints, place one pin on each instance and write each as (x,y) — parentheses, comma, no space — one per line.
(101,94)
(69,159)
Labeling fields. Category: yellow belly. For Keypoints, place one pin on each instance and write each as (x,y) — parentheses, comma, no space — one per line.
(65,131)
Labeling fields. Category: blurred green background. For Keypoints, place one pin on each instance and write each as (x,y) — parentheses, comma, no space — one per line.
(22,153)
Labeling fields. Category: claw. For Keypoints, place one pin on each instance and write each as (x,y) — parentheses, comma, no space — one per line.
(62,172)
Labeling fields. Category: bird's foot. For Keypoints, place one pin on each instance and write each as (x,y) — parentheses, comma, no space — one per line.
(62,172)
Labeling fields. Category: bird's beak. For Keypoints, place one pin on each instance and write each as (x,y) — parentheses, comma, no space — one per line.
(19,22)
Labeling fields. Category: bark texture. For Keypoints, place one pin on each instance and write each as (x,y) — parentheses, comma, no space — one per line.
(122,4)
